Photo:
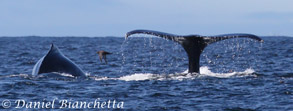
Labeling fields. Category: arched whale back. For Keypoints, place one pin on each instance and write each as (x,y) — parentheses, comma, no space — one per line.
(193,44)
(55,61)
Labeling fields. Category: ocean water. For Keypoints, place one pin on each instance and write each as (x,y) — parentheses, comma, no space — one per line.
(149,73)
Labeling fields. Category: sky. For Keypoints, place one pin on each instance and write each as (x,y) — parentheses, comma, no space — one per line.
(97,18)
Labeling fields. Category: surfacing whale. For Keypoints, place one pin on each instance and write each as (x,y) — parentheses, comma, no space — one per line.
(193,44)
(55,61)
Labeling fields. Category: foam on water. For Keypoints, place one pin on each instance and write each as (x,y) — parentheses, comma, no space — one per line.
(204,72)
(66,75)
(15,75)
(138,77)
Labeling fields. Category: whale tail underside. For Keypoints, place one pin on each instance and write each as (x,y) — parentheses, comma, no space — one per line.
(193,44)
(55,61)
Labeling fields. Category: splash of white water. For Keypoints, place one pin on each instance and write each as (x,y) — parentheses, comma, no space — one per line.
(204,72)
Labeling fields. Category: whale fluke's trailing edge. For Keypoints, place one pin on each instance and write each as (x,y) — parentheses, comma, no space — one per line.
(55,61)
(193,44)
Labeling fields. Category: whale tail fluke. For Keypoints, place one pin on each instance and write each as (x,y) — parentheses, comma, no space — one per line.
(212,39)
(193,44)
(185,38)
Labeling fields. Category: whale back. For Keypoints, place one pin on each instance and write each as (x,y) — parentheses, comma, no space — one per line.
(55,61)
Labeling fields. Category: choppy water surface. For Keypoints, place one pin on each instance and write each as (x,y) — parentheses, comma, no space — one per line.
(151,74)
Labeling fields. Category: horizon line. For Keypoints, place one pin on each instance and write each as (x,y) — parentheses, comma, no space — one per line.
(116,36)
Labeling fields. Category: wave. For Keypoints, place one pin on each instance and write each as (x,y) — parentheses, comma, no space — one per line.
(16,75)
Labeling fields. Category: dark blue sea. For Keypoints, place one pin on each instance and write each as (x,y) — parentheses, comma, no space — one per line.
(149,74)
